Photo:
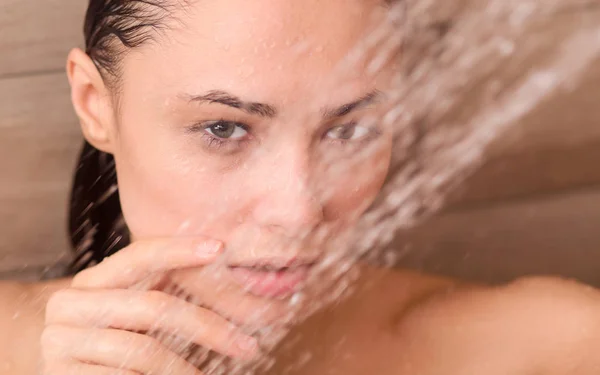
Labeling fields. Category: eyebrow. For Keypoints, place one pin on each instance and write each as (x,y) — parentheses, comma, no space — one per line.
(267,110)
(222,97)
(345,109)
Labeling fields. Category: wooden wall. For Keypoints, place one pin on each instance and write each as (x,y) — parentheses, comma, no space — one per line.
(534,207)
(39,137)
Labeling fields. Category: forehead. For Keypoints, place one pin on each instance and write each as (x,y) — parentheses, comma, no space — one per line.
(260,49)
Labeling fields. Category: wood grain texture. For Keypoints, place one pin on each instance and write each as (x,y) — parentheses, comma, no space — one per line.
(34,230)
(39,139)
(39,131)
(36,35)
(555,235)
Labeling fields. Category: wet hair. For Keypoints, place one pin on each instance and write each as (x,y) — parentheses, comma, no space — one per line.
(96,225)
(112,27)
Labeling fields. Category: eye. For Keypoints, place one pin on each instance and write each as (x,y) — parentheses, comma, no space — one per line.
(348,132)
(226,130)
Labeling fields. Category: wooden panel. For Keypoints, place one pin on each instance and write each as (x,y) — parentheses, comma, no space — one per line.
(531,173)
(39,133)
(39,140)
(558,235)
(33,230)
(36,35)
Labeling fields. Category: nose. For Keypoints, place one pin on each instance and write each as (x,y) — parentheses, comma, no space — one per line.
(288,202)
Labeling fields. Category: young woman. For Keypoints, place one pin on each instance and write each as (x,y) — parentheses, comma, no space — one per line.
(245,155)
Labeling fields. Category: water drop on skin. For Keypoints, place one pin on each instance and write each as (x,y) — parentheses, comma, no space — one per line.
(506,47)
(184,226)
(296,299)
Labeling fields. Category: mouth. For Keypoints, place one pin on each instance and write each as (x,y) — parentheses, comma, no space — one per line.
(272,279)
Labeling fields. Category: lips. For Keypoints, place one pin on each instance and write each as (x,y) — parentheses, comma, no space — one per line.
(270,281)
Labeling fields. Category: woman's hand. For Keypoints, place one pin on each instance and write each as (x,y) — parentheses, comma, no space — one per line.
(94,326)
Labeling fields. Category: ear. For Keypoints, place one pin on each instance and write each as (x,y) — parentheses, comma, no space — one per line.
(91,100)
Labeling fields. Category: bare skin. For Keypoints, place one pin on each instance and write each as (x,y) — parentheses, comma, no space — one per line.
(532,326)
(193,168)
(429,326)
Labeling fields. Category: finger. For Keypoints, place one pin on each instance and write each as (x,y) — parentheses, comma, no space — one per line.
(117,349)
(147,311)
(78,368)
(229,299)
(144,258)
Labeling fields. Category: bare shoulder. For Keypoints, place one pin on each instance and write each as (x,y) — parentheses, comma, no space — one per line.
(572,303)
(563,314)
(539,324)
(21,323)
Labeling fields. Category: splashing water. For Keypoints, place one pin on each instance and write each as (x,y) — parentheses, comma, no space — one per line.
(470,71)
(475,71)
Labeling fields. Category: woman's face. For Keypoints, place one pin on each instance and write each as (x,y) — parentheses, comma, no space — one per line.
(239,123)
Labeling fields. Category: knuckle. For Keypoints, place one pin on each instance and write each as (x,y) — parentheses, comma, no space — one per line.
(81,279)
(160,302)
(59,300)
(51,335)
(134,248)
(52,342)
(131,254)
(147,347)
(208,319)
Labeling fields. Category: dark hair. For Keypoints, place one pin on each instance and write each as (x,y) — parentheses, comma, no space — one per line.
(114,26)
(96,225)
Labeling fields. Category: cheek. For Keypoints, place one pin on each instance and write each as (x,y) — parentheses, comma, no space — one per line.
(354,190)
(156,202)
(166,192)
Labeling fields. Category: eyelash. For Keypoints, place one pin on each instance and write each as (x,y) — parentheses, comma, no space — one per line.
(372,133)
(216,143)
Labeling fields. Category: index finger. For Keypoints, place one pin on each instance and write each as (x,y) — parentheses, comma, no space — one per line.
(144,258)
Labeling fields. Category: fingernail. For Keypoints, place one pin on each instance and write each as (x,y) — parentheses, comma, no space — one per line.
(210,247)
(247,344)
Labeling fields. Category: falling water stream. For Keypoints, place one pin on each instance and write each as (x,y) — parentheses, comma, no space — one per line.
(470,70)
